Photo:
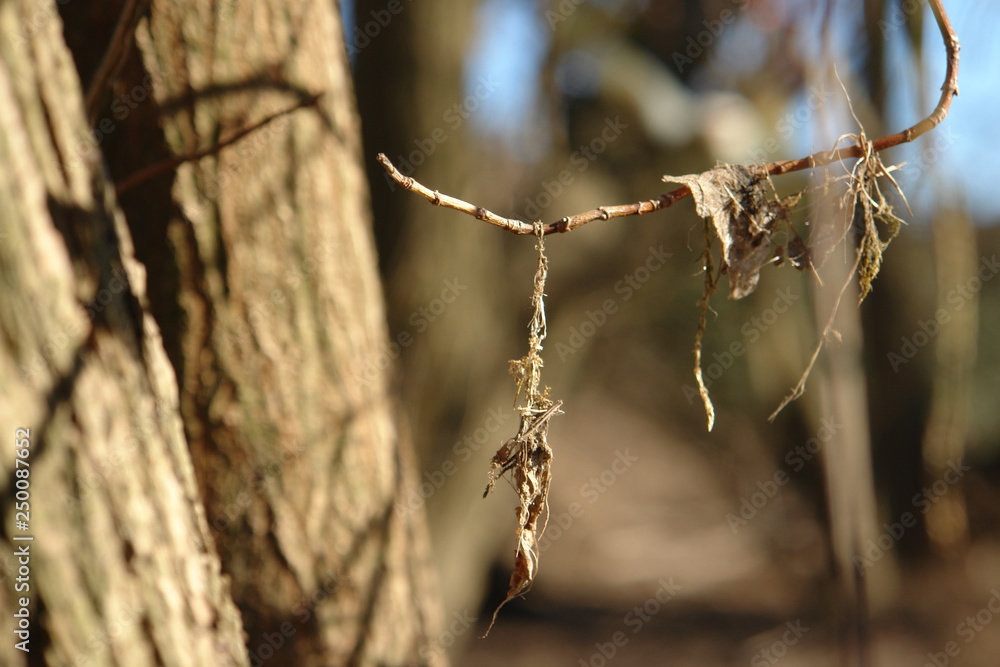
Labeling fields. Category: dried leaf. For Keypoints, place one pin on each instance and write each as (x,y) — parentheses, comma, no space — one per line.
(872,207)
(527,456)
(865,200)
(732,197)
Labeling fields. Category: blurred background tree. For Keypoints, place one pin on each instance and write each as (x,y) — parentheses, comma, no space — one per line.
(537,110)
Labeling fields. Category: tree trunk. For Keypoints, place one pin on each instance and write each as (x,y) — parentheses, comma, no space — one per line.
(262,278)
(113,563)
(290,424)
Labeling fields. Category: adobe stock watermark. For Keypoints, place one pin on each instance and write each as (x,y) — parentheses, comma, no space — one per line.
(956,299)
(453,118)
(263,309)
(967,630)
(561,12)
(816,97)
(460,624)
(246,148)
(625,288)
(100,640)
(751,330)
(932,146)
(461,452)
(876,548)
(105,467)
(590,491)
(38,20)
(377,21)
(796,458)
(778,649)
(898,14)
(89,145)
(635,621)
(421,320)
(713,29)
(238,505)
(580,160)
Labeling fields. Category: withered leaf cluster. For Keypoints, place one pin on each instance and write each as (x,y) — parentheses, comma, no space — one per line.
(527,456)
(743,212)
(744,218)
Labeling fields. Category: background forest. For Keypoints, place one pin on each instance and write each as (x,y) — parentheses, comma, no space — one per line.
(540,110)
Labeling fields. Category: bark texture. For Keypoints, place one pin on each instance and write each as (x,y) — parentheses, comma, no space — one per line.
(240,380)
(122,569)
(284,400)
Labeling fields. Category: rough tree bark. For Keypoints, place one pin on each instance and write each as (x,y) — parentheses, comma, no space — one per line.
(288,415)
(121,569)
(262,278)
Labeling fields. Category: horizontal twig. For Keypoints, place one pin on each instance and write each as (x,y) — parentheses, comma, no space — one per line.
(438,199)
(571,222)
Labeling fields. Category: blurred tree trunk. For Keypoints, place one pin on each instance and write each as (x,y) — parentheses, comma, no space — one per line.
(416,109)
(263,281)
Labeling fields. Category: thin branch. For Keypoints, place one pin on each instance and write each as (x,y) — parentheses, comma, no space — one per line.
(948,91)
(172,163)
(567,224)
(571,222)
(116,54)
(438,199)
(711,281)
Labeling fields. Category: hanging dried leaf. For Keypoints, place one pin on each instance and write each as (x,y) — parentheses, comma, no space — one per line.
(527,456)
(872,207)
(732,197)
(865,199)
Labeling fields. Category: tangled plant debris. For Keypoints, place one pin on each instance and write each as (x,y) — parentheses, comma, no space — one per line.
(731,197)
(743,212)
(739,213)
(527,456)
